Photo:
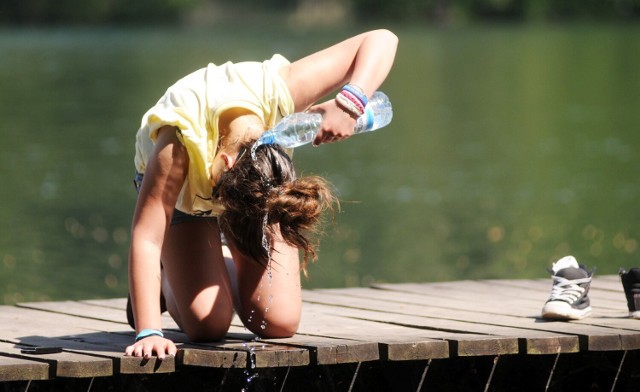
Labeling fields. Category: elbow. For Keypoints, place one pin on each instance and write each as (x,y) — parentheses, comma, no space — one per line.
(387,36)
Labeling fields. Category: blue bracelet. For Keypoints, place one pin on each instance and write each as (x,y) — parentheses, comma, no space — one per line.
(357,91)
(149,332)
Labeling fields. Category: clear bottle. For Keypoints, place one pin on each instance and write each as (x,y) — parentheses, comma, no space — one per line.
(301,128)
(377,114)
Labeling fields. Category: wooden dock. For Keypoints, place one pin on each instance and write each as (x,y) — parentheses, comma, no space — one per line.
(465,335)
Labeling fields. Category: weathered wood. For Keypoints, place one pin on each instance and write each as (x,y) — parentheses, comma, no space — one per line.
(595,333)
(530,295)
(333,351)
(192,356)
(608,300)
(89,310)
(65,364)
(261,355)
(533,343)
(75,308)
(389,322)
(493,341)
(517,304)
(133,365)
(447,307)
(98,343)
(19,369)
(393,337)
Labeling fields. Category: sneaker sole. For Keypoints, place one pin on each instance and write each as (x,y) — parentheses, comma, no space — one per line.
(558,310)
(635,315)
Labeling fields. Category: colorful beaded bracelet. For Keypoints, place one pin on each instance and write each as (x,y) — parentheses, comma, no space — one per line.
(357,92)
(350,103)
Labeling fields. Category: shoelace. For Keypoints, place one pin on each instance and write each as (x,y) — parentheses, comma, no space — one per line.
(567,290)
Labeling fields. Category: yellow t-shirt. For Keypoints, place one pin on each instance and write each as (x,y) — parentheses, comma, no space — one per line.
(194,105)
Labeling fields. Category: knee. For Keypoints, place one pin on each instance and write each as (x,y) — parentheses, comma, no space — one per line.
(207,332)
(212,328)
(278,327)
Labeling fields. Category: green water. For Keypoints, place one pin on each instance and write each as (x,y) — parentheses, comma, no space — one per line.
(510,147)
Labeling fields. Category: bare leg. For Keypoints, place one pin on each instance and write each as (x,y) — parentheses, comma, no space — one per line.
(195,283)
(270,299)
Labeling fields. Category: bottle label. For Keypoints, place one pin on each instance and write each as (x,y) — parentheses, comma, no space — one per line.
(368,117)
(267,138)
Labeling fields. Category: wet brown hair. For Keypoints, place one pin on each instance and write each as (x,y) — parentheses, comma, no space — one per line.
(267,187)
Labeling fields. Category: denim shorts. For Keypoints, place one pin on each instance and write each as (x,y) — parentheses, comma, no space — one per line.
(178,216)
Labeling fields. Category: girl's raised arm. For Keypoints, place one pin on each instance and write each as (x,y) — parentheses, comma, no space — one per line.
(363,60)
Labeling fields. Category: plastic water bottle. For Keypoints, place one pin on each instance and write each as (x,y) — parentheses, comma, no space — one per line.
(301,128)
(377,114)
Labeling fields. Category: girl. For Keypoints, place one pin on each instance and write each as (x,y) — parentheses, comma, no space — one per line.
(198,182)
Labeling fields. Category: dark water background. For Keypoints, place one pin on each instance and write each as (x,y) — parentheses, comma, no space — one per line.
(511,146)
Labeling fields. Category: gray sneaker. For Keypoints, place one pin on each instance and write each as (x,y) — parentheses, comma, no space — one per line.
(568,299)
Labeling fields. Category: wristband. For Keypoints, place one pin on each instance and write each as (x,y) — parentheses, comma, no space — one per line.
(358,92)
(350,103)
(149,332)
(352,99)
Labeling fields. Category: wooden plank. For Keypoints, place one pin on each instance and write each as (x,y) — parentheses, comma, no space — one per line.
(381,334)
(391,338)
(64,364)
(108,346)
(197,356)
(327,350)
(18,369)
(592,337)
(263,355)
(539,343)
(333,350)
(255,354)
(75,308)
(115,303)
(240,347)
(606,299)
(611,313)
(410,322)
(481,304)
(485,342)
(493,297)
(526,294)
(93,341)
(114,311)
(322,350)
(545,343)
(93,310)
(347,350)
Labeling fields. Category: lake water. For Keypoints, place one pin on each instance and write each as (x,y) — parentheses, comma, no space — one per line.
(511,146)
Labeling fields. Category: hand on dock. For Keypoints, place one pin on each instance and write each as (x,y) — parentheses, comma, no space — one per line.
(151,345)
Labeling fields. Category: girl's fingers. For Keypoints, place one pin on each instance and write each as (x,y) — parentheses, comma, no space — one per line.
(146,348)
